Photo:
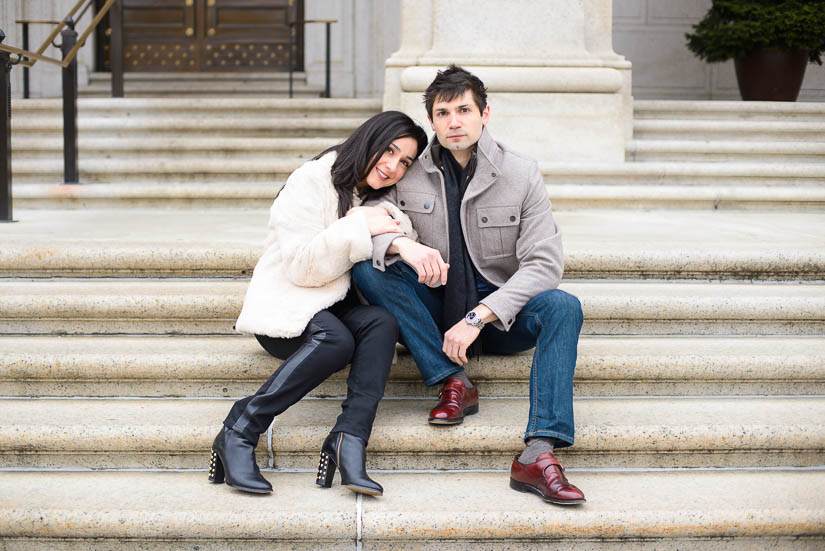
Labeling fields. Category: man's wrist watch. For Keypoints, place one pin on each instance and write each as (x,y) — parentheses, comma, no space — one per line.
(474,319)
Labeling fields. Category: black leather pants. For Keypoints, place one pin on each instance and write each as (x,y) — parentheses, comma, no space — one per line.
(362,335)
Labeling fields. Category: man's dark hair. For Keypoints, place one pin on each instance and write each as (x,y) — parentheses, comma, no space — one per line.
(452,83)
(359,153)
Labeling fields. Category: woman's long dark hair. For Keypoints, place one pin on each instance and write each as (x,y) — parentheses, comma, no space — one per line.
(359,154)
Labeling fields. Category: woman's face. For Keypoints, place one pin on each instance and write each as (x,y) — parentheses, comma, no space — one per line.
(393,163)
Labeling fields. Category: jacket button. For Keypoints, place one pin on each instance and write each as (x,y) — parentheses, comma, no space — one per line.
(426,205)
(402,203)
(511,321)
(512,219)
(493,174)
(377,262)
(484,219)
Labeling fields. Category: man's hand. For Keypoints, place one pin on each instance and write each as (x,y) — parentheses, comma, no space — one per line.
(458,339)
(426,261)
(461,335)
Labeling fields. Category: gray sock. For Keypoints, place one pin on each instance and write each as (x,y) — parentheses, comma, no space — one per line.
(461,376)
(536,446)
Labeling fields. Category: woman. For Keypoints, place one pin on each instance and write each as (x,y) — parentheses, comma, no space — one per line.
(301,308)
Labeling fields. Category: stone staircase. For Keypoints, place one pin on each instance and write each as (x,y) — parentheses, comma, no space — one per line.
(168,84)
(700,384)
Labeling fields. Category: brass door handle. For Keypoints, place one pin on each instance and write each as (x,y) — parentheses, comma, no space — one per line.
(190,31)
(211,32)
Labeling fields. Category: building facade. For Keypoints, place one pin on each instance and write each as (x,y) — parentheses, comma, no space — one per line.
(648,33)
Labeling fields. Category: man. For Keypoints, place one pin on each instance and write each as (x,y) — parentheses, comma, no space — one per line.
(485,209)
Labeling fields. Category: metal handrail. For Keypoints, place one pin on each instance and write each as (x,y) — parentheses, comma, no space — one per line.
(34,57)
(26,23)
(69,47)
(292,47)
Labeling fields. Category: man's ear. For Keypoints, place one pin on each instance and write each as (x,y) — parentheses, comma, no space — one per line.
(432,126)
(485,115)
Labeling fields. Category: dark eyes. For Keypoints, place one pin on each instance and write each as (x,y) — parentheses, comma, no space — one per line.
(405,162)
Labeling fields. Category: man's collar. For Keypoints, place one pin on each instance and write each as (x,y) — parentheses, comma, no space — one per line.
(437,150)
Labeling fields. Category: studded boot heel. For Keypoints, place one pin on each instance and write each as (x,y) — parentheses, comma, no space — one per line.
(233,462)
(347,453)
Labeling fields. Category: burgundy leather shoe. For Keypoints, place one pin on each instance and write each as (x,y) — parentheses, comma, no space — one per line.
(454,402)
(546,479)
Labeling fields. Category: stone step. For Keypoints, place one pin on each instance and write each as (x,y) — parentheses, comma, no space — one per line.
(195,148)
(201,84)
(175,125)
(135,170)
(652,432)
(212,108)
(210,306)
(217,89)
(447,511)
(714,129)
(725,151)
(598,244)
(128,148)
(672,185)
(108,366)
(593,191)
(746,111)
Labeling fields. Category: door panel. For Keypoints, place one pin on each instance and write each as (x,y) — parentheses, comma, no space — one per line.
(207,35)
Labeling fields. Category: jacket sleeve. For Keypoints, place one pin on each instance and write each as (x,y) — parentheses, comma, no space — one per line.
(539,253)
(382,242)
(314,253)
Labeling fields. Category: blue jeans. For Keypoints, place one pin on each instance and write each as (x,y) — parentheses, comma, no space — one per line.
(550,322)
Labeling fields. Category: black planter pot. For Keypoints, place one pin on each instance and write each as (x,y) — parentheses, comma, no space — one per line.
(771,75)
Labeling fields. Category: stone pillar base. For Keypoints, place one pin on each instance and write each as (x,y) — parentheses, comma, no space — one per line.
(548,113)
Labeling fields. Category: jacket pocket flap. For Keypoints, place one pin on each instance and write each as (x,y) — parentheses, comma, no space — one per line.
(498,216)
(416,201)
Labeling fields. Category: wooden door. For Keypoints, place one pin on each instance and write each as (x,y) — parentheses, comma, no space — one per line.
(208,35)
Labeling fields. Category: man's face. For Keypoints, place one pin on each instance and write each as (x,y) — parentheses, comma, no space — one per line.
(458,123)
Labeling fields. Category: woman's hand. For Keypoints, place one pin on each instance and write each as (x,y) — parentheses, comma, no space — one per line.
(375,211)
(426,261)
(378,220)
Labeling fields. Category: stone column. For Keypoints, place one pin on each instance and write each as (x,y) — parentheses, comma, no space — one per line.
(556,89)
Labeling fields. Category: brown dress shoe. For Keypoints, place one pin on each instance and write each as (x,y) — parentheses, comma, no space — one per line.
(546,479)
(454,402)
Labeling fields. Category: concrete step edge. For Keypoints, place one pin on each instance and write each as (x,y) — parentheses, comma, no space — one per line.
(417,508)
(637,432)
(231,366)
(220,299)
(737,194)
(718,107)
(204,105)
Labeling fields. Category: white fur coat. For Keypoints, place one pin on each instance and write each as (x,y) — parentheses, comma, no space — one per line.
(308,254)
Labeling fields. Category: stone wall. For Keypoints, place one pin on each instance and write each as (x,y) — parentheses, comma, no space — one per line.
(651,34)
(366,34)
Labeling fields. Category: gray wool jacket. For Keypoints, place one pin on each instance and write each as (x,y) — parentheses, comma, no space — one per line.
(507,221)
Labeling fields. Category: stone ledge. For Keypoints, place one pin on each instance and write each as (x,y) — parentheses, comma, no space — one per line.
(647,510)
(234,366)
(716,109)
(599,244)
(87,106)
(210,306)
(622,191)
(611,432)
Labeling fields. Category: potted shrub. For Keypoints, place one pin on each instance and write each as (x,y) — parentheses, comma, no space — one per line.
(770,41)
